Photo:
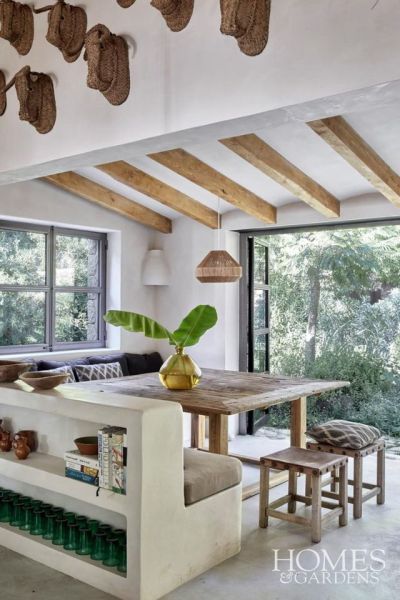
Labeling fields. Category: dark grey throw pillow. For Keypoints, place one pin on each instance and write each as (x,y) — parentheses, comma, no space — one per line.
(345,434)
(96,372)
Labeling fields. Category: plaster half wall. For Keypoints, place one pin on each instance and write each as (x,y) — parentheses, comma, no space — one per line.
(182,81)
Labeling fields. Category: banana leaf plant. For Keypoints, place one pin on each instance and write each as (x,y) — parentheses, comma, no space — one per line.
(193,327)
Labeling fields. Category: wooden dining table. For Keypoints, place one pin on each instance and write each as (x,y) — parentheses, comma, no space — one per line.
(221,394)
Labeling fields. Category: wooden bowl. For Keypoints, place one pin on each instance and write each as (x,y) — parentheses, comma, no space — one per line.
(10,370)
(87,445)
(41,380)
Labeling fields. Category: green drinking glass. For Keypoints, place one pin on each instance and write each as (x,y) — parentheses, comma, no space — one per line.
(36,504)
(85,541)
(26,520)
(105,528)
(37,522)
(70,516)
(71,539)
(5,510)
(81,522)
(25,499)
(60,531)
(93,525)
(57,510)
(49,524)
(112,552)
(16,514)
(46,508)
(120,534)
(99,546)
(122,568)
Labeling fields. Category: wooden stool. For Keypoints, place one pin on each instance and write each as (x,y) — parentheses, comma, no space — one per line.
(314,465)
(358,497)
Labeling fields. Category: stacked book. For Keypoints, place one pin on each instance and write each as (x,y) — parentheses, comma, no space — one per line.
(82,467)
(113,453)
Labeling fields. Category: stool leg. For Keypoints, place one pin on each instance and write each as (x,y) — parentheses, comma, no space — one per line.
(334,484)
(264,496)
(308,486)
(292,490)
(343,494)
(380,499)
(358,478)
(316,508)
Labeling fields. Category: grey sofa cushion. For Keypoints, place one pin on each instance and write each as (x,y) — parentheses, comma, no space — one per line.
(206,474)
(345,434)
(110,358)
(67,370)
(97,372)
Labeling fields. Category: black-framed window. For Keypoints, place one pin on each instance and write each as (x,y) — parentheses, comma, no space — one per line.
(52,288)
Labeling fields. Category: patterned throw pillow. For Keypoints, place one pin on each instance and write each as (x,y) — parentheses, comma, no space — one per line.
(66,369)
(345,434)
(95,372)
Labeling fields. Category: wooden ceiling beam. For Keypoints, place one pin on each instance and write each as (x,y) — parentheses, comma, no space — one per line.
(89,190)
(161,192)
(267,160)
(336,132)
(198,172)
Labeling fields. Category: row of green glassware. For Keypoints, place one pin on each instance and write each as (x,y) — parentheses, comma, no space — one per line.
(76,533)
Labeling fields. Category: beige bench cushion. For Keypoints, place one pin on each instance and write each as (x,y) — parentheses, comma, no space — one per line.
(207,474)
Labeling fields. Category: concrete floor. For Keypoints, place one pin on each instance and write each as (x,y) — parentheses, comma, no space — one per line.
(250,574)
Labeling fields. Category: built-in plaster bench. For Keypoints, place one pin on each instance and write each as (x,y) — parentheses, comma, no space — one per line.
(180,522)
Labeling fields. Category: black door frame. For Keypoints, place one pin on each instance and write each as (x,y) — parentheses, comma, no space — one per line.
(247,423)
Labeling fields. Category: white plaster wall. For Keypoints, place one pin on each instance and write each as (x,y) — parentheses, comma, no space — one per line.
(37,201)
(186,80)
(184,250)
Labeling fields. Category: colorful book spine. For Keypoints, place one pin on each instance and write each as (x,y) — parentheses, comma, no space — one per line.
(105,458)
(118,477)
(80,476)
(81,459)
(125,451)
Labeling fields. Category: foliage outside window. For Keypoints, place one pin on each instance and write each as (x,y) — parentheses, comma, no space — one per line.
(335,314)
(52,288)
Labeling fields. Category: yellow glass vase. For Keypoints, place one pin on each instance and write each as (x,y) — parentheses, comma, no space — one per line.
(180,372)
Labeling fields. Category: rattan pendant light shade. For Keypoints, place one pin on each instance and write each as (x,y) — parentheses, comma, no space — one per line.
(218,267)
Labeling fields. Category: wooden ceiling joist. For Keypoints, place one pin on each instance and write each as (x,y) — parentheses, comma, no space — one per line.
(161,192)
(336,132)
(259,154)
(192,168)
(89,190)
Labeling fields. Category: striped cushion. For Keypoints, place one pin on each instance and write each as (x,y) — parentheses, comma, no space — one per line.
(67,370)
(96,372)
(345,434)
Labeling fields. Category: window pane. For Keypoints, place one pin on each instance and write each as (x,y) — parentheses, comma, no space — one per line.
(260,353)
(22,318)
(22,257)
(77,261)
(76,317)
(260,309)
(260,264)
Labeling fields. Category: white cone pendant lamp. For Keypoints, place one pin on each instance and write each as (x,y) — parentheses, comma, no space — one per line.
(219,266)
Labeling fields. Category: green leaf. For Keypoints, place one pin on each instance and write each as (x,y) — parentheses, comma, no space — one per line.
(194,325)
(139,324)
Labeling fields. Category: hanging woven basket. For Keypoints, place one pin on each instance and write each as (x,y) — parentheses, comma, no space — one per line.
(218,267)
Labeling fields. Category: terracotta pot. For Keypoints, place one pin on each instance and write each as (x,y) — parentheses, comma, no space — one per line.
(5,441)
(21,448)
(31,438)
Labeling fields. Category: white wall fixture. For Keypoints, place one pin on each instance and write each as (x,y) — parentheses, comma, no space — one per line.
(155,269)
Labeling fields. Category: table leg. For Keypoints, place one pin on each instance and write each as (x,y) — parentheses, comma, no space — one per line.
(218,434)
(198,433)
(298,424)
